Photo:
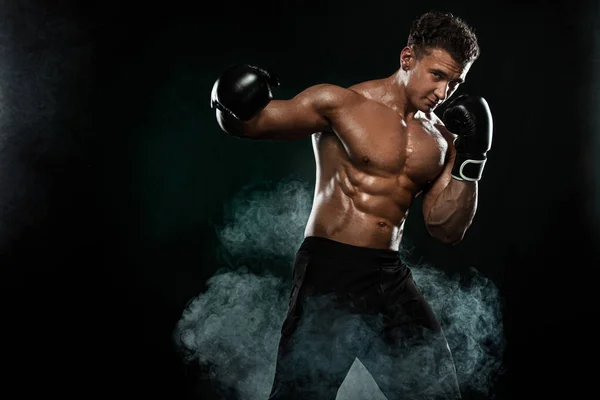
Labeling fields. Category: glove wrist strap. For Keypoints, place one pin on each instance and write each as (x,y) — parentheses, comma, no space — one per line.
(468,167)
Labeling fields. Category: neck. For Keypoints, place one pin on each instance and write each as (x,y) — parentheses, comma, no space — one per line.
(396,88)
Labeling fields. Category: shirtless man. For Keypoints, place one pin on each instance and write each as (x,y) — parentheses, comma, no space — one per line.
(378,145)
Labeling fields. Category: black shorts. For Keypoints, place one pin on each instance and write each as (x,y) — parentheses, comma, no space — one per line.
(352,302)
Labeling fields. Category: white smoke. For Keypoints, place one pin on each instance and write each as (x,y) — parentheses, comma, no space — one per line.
(266,223)
(234,326)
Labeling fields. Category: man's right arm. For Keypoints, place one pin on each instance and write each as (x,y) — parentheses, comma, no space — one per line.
(307,113)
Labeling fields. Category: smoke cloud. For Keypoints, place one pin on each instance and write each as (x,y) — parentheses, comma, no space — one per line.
(266,223)
(233,327)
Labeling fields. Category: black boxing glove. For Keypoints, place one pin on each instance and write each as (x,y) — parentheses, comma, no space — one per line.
(469,118)
(242,91)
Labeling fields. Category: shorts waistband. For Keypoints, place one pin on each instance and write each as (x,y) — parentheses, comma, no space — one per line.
(320,246)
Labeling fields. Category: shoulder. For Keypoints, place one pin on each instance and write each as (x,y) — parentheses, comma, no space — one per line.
(432,123)
(330,96)
(440,127)
(329,90)
(329,99)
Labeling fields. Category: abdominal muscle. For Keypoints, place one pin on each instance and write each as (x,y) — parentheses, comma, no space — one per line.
(357,208)
(339,220)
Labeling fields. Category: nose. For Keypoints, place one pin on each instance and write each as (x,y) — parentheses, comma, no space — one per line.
(441,92)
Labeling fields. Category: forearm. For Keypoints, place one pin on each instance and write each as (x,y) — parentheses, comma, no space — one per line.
(233,126)
(281,120)
(452,212)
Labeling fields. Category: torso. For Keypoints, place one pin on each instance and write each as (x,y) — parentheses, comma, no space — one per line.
(367,182)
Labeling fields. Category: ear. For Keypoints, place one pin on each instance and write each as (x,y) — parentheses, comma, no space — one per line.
(407,58)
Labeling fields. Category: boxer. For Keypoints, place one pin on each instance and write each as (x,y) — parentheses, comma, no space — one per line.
(378,145)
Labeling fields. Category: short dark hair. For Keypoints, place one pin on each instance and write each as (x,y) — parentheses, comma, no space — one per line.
(443,30)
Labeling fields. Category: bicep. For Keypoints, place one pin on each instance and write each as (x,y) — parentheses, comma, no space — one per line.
(296,118)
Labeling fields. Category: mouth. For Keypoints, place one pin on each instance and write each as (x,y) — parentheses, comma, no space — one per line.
(432,103)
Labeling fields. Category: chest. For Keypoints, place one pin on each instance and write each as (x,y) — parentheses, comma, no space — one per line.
(386,144)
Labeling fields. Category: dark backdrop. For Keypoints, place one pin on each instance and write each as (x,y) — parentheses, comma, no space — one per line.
(113,174)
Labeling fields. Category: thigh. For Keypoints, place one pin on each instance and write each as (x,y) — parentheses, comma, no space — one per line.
(314,354)
(411,359)
(404,305)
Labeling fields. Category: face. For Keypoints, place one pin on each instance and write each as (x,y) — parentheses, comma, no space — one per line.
(432,79)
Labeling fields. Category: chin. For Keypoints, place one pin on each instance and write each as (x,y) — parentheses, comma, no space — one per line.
(431,108)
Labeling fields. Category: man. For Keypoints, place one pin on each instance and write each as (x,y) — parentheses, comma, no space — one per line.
(378,145)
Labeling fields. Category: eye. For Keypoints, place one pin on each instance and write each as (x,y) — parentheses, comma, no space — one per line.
(437,75)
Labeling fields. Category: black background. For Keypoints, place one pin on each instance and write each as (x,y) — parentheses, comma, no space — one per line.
(113,173)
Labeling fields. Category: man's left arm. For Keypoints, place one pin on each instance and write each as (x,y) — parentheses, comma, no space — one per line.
(450,203)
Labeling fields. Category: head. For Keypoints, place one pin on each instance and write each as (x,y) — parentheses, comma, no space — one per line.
(439,53)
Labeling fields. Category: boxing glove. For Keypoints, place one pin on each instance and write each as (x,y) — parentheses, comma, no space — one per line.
(470,118)
(242,91)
